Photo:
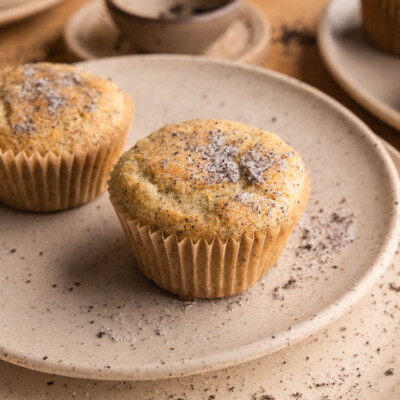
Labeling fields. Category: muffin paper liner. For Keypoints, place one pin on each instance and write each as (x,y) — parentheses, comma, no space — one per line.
(202,269)
(381,23)
(58,182)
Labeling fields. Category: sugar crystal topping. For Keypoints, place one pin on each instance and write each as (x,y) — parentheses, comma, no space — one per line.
(223,166)
(254,164)
(35,88)
(25,126)
(251,200)
(221,159)
(41,83)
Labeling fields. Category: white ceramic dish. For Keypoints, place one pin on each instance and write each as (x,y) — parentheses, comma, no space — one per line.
(90,34)
(370,76)
(152,27)
(81,291)
(16,10)
(348,360)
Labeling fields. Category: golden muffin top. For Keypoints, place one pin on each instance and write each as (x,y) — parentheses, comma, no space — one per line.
(53,107)
(209,178)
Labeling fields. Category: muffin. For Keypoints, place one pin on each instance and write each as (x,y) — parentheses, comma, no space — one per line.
(61,131)
(381,23)
(208,205)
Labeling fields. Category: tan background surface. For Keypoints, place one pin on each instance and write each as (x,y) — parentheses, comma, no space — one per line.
(39,38)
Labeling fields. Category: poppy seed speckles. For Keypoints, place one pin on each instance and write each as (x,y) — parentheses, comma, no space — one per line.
(210,177)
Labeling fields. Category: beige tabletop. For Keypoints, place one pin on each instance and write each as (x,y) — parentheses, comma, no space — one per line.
(357,357)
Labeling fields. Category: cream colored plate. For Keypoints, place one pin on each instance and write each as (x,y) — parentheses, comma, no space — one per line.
(369,75)
(347,360)
(320,367)
(91,33)
(72,303)
(14,10)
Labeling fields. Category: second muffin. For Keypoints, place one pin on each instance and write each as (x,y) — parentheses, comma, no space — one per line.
(61,131)
(208,205)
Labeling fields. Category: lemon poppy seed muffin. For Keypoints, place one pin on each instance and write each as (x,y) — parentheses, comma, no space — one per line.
(209,178)
(61,130)
(208,195)
(55,107)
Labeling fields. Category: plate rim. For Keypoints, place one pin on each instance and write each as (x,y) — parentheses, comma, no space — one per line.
(360,95)
(268,345)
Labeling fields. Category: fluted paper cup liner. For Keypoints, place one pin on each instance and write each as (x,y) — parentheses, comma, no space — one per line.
(58,182)
(381,22)
(204,269)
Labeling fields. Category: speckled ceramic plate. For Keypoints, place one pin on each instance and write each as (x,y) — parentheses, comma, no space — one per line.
(14,10)
(369,75)
(90,33)
(356,357)
(72,302)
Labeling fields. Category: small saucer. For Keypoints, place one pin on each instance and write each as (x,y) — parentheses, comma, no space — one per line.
(366,73)
(90,33)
